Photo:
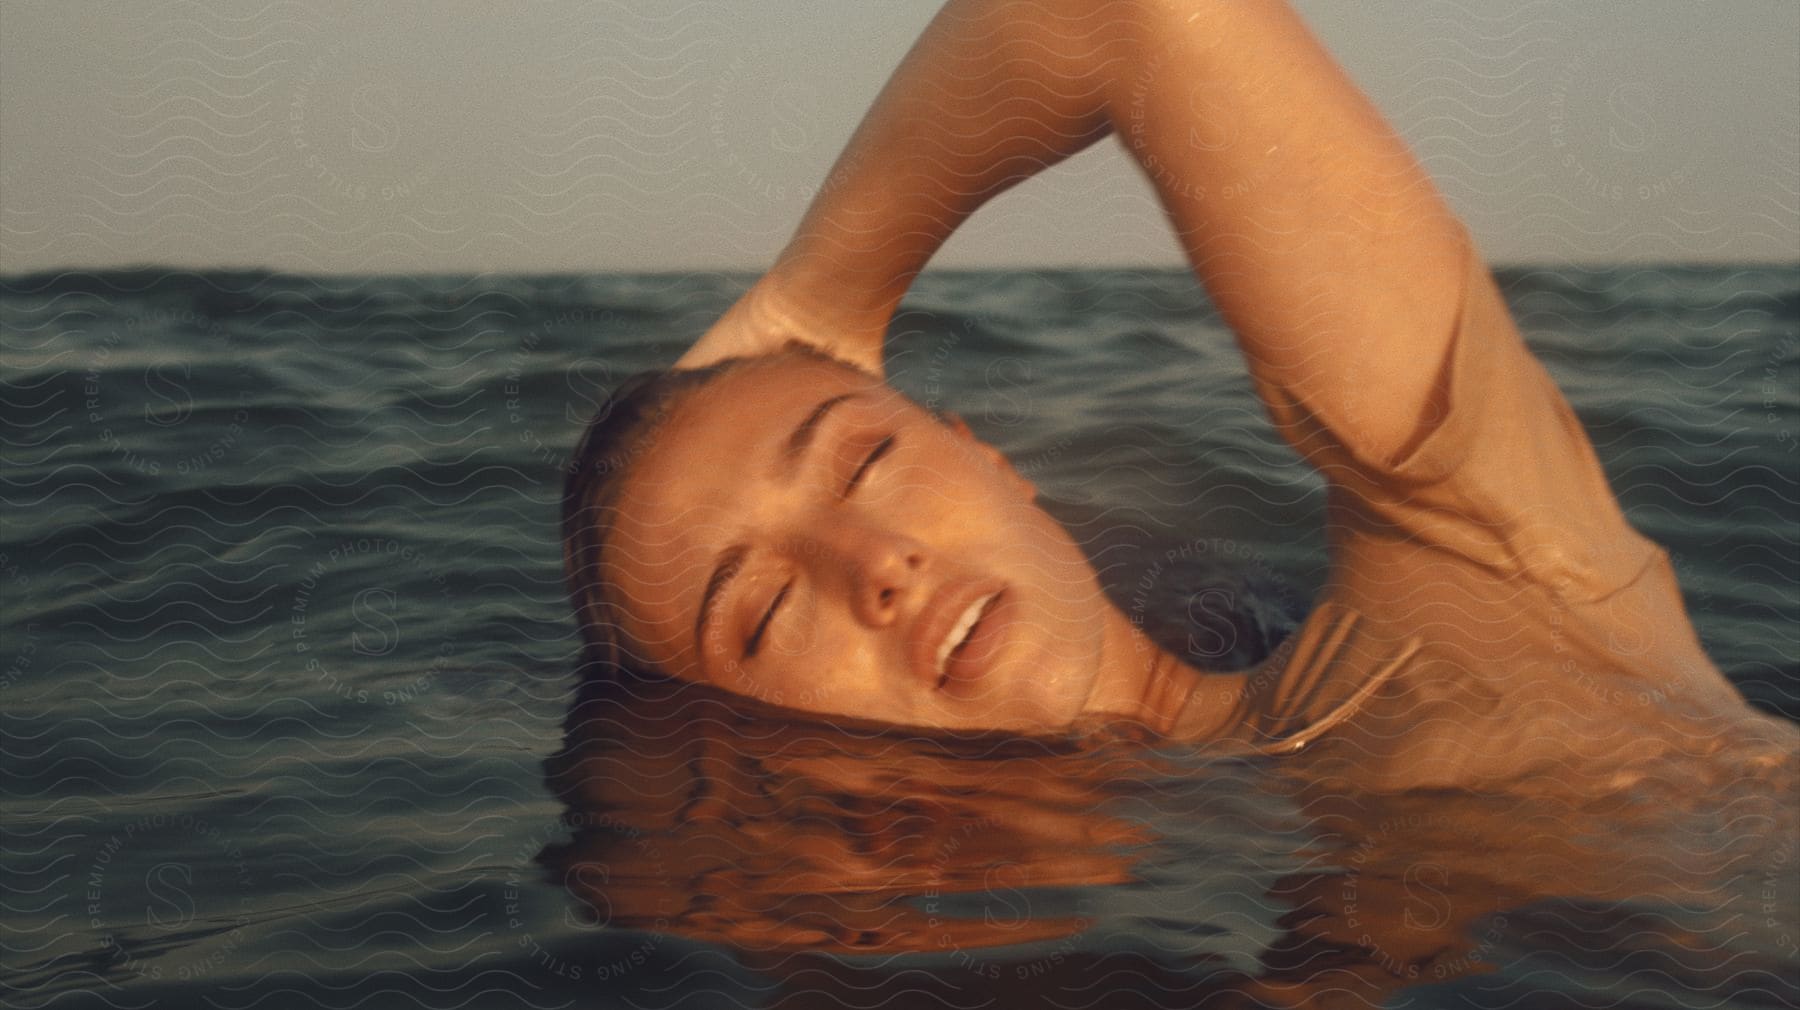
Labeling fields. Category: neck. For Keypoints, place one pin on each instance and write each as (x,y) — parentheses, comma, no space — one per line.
(1140,682)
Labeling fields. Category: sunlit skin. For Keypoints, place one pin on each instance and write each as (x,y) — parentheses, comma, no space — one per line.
(992,92)
(853,562)
(1326,249)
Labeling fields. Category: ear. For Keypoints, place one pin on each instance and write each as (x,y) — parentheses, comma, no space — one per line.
(955,423)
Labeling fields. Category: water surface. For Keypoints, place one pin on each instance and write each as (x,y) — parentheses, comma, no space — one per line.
(290,715)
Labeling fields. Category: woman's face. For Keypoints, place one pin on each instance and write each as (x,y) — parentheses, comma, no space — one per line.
(802,534)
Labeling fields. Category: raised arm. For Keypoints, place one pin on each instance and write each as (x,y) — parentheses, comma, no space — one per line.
(1317,234)
(991,94)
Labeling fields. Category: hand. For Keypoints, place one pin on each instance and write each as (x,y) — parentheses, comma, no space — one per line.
(766,319)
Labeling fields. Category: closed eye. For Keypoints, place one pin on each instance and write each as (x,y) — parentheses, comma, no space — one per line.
(874,455)
(762,626)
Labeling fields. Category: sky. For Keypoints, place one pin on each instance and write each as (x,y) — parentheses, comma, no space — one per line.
(671,136)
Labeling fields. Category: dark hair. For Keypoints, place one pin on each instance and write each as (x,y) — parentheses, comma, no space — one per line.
(618,432)
(621,431)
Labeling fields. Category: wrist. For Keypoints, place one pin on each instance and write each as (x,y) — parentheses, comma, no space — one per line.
(827,300)
(795,306)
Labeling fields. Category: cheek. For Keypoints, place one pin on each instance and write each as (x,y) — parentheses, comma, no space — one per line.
(795,644)
(829,665)
(1061,571)
(815,645)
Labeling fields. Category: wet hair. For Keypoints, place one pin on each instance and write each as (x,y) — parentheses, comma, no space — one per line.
(622,430)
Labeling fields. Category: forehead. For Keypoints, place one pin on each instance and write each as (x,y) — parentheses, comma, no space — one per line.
(735,425)
(699,479)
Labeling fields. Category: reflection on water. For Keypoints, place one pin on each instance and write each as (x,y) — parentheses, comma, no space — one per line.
(736,825)
(1008,868)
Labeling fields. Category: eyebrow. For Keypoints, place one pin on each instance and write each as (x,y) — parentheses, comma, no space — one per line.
(731,559)
(804,432)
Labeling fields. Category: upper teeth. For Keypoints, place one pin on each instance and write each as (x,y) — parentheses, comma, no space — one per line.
(957,631)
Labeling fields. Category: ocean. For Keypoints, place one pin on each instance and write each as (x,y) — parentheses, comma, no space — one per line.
(289,712)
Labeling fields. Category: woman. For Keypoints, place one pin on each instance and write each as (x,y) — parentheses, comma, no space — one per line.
(773,520)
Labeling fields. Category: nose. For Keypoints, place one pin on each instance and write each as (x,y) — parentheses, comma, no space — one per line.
(880,569)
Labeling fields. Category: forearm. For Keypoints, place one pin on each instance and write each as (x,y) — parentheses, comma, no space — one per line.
(992,92)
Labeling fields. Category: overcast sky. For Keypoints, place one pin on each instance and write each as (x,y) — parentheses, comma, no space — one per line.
(411,136)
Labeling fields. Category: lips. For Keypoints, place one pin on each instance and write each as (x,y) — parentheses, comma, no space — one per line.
(952,640)
(958,638)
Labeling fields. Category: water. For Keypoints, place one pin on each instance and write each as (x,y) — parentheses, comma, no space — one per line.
(290,718)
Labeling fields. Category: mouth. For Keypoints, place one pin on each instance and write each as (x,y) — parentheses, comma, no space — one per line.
(958,635)
(957,641)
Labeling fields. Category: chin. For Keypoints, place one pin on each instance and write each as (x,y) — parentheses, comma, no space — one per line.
(1048,697)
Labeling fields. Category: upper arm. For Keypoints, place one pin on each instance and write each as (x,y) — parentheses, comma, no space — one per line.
(1318,235)
(1498,468)
(1372,328)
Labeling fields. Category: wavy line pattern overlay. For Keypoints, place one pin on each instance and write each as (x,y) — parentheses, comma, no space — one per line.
(289,704)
